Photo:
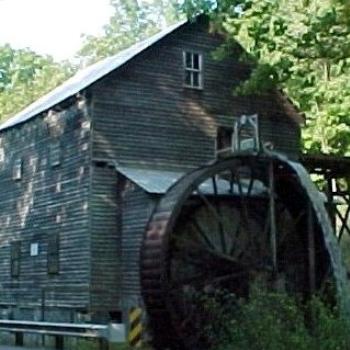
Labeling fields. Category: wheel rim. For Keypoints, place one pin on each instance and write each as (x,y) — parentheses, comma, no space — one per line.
(206,235)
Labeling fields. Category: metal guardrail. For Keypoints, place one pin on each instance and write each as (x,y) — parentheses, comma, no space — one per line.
(105,334)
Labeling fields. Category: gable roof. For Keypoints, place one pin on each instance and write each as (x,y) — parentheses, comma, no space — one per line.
(85,78)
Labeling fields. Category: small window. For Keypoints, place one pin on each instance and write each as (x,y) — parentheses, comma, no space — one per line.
(17,169)
(193,65)
(55,153)
(224,142)
(15,258)
(53,254)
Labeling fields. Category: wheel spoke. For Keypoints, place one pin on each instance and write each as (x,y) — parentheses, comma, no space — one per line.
(215,186)
(178,284)
(235,238)
(250,186)
(220,279)
(202,233)
(291,228)
(216,213)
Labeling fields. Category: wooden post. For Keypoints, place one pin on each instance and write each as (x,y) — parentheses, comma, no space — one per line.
(19,339)
(273,233)
(330,202)
(311,249)
(103,344)
(59,342)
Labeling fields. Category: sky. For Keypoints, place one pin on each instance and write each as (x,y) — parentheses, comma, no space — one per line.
(51,27)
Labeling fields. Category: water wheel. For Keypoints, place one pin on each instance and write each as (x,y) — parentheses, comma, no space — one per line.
(230,225)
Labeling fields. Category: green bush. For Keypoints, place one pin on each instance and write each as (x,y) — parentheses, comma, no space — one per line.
(273,321)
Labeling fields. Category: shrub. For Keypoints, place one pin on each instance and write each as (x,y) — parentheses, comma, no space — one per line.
(273,321)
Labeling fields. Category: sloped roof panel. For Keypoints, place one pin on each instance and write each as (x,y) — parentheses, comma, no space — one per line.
(159,181)
(85,78)
(150,180)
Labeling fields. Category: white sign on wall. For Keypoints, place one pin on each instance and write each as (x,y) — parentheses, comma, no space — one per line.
(34,249)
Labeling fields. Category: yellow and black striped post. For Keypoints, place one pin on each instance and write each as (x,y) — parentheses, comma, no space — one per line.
(135,327)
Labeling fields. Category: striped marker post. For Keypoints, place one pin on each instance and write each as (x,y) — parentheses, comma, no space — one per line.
(135,327)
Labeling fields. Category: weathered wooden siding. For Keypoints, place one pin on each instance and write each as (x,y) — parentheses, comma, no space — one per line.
(137,206)
(119,213)
(105,241)
(142,112)
(45,201)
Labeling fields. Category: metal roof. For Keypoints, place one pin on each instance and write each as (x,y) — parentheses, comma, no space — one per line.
(159,181)
(152,181)
(85,78)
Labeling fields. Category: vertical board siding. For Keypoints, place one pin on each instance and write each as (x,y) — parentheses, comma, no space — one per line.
(44,201)
(143,113)
(136,210)
(105,241)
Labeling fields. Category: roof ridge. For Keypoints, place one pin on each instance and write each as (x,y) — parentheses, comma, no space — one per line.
(85,77)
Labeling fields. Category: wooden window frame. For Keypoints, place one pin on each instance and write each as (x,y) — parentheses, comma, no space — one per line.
(53,254)
(220,149)
(15,258)
(191,70)
(17,169)
(55,153)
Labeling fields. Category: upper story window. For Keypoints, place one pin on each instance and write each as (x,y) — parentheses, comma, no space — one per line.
(17,169)
(193,66)
(55,153)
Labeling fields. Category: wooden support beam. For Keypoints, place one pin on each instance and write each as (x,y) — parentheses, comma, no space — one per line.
(330,202)
(311,249)
(59,342)
(344,222)
(272,205)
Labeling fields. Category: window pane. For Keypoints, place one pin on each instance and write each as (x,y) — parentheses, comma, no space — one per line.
(196,81)
(17,169)
(188,78)
(188,60)
(196,61)
(55,154)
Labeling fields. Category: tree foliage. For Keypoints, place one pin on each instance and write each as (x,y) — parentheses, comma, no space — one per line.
(302,46)
(133,21)
(25,76)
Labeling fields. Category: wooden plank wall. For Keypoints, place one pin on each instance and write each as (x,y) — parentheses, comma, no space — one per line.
(143,115)
(142,112)
(137,206)
(105,242)
(45,201)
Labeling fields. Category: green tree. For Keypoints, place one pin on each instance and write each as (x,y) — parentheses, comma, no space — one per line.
(133,21)
(301,46)
(25,76)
